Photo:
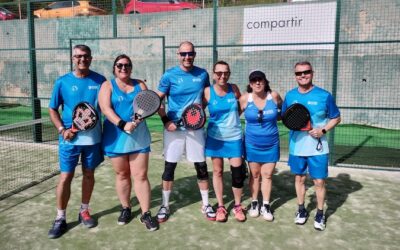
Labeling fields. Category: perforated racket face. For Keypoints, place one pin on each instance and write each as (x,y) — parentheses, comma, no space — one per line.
(193,117)
(296,117)
(146,103)
(84,117)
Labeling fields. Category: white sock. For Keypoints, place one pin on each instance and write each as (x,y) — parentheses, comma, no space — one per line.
(165,197)
(61,214)
(265,202)
(84,207)
(204,196)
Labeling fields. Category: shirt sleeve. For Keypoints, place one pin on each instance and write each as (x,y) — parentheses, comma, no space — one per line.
(56,98)
(164,84)
(333,110)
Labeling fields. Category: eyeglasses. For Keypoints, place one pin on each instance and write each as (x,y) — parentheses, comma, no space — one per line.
(85,56)
(306,72)
(257,81)
(122,65)
(220,73)
(190,54)
(260,116)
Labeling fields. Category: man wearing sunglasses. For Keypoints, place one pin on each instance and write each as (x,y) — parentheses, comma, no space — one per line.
(80,85)
(303,153)
(183,85)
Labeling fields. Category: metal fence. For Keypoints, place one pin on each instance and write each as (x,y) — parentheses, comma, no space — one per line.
(355,52)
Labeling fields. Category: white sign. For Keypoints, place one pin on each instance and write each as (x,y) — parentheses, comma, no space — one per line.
(294,23)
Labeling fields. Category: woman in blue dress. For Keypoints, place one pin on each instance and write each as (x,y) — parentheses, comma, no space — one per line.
(125,141)
(224,138)
(261,107)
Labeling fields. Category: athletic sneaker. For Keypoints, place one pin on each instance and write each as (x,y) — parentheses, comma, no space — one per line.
(301,217)
(125,216)
(266,212)
(58,228)
(254,210)
(319,222)
(162,214)
(148,221)
(209,212)
(239,214)
(222,214)
(85,218)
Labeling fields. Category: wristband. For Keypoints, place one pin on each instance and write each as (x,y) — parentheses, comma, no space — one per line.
(61,129)
(121,124)
(165,119)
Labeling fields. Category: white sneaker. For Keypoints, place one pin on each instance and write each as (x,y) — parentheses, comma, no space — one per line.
(319,222)
(254,210)
(209,212)
(162,214)
(266,213)
(301,217)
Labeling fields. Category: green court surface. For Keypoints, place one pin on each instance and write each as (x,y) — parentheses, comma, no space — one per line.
(361,209)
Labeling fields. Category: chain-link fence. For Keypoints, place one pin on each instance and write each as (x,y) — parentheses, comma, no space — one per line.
(354,47)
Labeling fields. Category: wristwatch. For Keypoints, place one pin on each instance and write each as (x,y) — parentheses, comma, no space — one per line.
(60,129)
(324,131)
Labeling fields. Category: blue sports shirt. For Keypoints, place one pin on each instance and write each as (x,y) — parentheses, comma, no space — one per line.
(70,90)
(322,108)
(183,88)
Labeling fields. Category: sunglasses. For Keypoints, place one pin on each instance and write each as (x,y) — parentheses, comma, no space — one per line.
(190,54)
(257,80)
(121,65)
(220,73)
(260,116)
(307,72)
(85,56)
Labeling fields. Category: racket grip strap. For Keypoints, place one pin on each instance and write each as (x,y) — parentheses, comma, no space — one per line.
(165,119)
(121,124)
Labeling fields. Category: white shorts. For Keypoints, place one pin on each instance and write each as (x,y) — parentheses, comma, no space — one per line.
(178,142)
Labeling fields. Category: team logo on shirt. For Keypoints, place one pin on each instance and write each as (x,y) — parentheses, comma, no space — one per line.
(314,103)
(74,88)
(215,102)
(196,79)
(180,80)
(120,98)
(268,112)
(93,87)
(231,100)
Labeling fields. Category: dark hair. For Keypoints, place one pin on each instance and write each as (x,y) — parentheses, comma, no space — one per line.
(122,56)
(258,74)
(303,63)
(221,63)
(83,48)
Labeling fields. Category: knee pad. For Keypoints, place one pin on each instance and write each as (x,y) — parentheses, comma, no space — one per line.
(238,177)
(169,171)
(201,169)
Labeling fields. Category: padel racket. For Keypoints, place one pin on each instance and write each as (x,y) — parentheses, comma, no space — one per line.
(193,117)
(146,104)
(297,117)
(84,117)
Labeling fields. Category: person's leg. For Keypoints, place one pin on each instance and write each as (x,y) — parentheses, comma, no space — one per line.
(139,164)
(254,182)
(299,183)
(236,164)
(123,182)
(320,192)
(63,190)
(267,170)
(218,184)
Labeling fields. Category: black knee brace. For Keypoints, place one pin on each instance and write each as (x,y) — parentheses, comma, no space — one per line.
(201,169)
(169,171)
(238,177)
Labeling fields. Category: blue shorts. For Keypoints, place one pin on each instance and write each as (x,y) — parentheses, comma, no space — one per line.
(262,154)
(91,156)
(144,150)
(223,149)
(317,165)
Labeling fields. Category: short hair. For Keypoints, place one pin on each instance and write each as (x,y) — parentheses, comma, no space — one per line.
(83,48)
(122,56)
(187,43)
(303,63)
(221,63)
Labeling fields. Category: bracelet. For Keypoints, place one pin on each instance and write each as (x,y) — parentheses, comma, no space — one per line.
(165,119)
(61,129)
(121,124)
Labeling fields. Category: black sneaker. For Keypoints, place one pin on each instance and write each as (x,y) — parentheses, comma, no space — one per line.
(59,228)
(125,216)
(85,218)
(148,221)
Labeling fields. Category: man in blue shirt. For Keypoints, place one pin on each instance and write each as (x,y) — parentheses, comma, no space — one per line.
(183,85)
(80,85)
(304,149)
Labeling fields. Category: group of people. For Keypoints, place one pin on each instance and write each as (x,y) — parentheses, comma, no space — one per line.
(126,140)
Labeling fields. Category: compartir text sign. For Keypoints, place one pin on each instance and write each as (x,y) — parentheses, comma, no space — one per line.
(297,23)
